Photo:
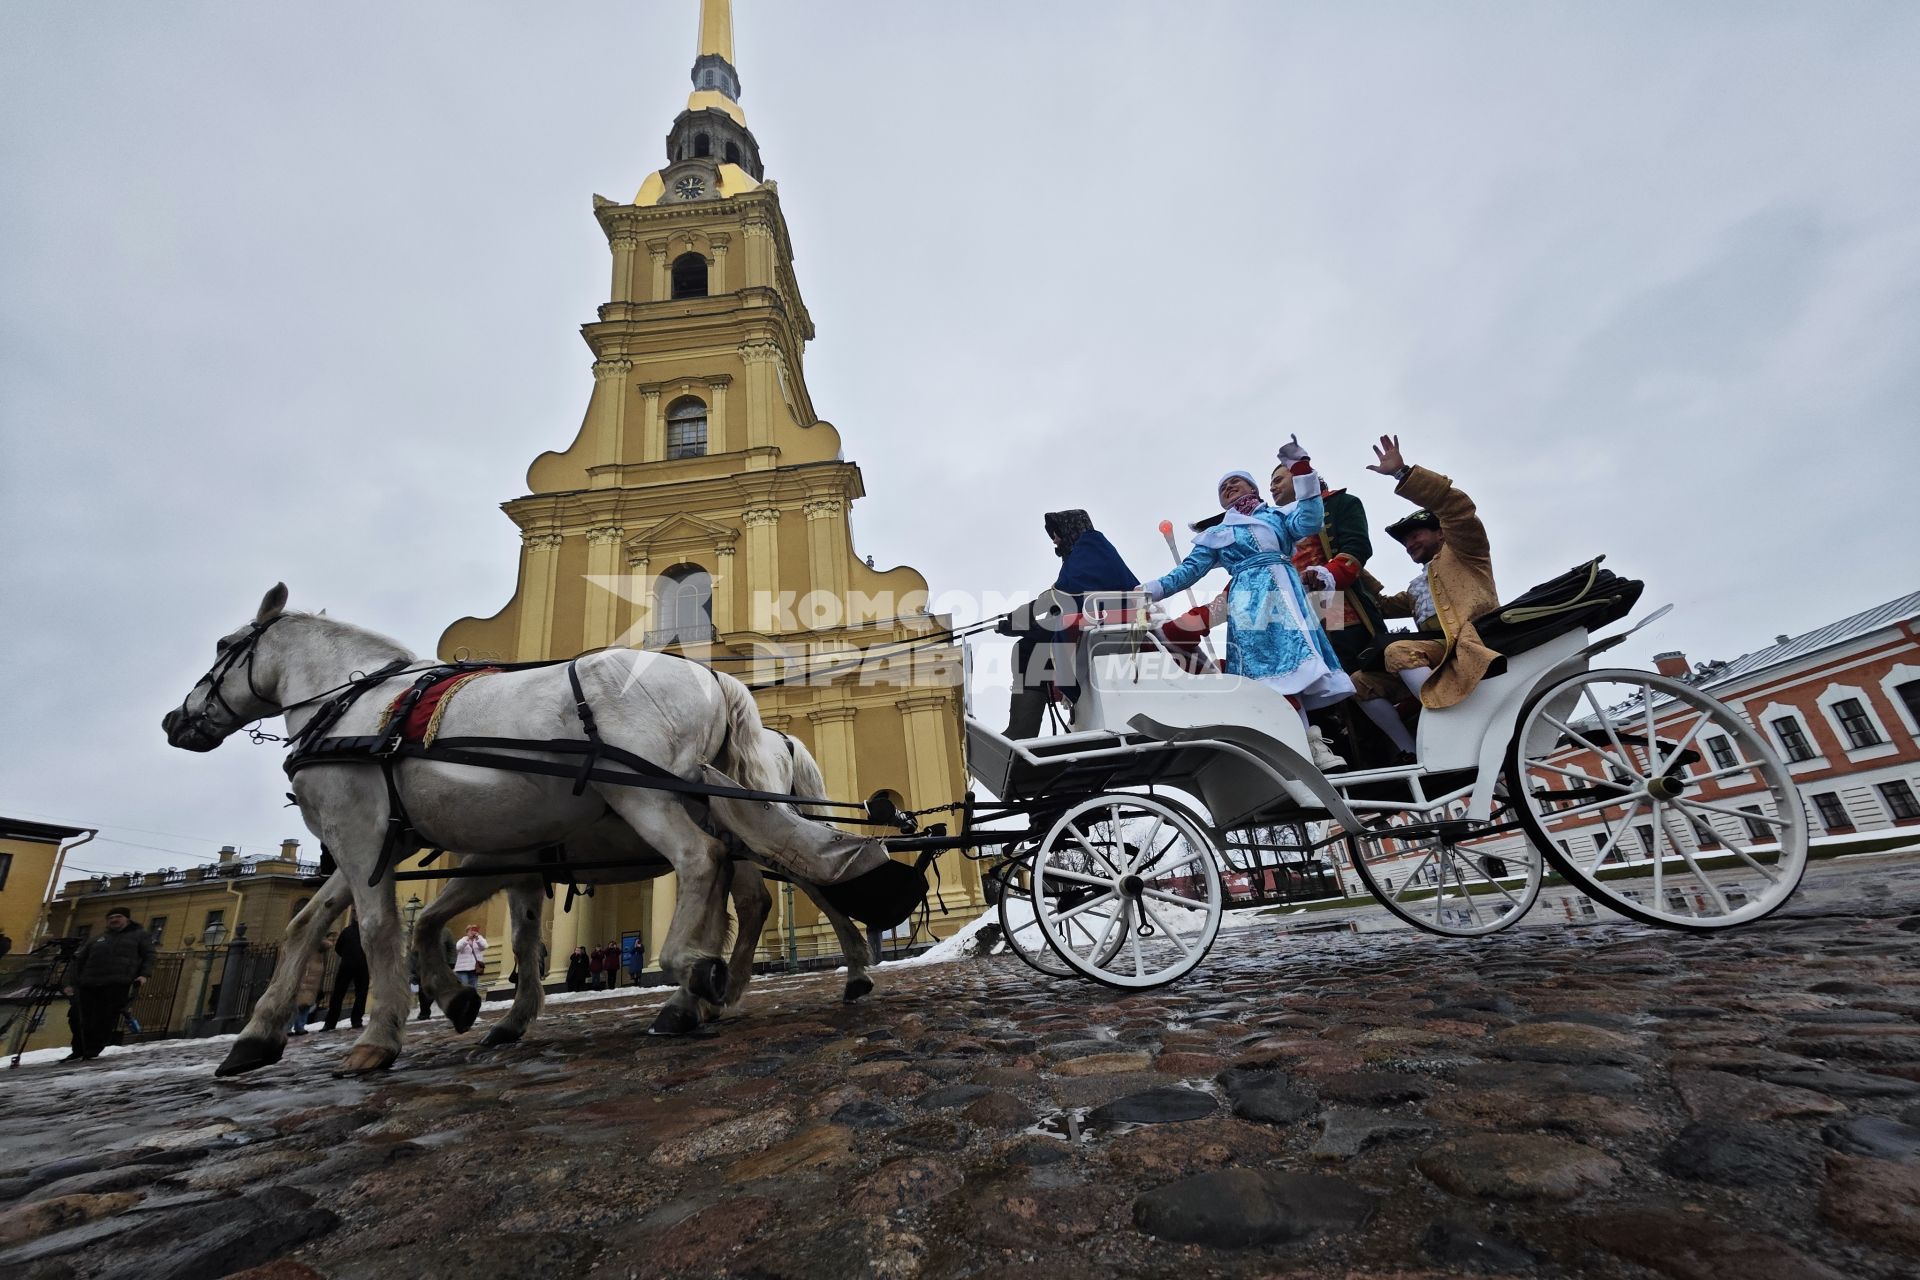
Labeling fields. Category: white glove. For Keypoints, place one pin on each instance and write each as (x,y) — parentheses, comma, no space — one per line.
(1317,578)
(1291,452)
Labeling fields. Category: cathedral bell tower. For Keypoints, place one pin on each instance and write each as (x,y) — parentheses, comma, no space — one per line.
(703,506)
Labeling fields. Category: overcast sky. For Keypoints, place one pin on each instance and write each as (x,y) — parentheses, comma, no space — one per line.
(291,291)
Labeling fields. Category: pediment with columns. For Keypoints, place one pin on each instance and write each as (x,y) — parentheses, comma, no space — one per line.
(680,533)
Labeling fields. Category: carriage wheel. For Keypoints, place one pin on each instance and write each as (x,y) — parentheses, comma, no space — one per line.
(1021,927)
(1619,759)
(1447,875)
(1143,873)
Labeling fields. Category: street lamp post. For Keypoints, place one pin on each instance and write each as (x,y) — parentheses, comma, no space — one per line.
(412,911)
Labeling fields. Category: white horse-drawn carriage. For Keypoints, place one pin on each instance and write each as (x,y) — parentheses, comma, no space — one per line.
(1111,833)
(1117,874)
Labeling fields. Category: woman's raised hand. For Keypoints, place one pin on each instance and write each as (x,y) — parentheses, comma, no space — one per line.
(1291,452)
(1387,456)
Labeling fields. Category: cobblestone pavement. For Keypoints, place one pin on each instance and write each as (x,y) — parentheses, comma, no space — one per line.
(1604,1101)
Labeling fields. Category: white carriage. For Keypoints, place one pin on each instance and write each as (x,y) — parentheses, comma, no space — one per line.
(1117,875)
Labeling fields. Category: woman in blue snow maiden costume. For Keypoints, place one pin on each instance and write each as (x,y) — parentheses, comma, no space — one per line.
(1273,633)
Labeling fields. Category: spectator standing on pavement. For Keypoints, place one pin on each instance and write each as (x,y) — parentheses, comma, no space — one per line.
(352,971)
(597,967)
(469,957)
(579,969)
(307,998)
(413,971)
(636,961)
(612,954)
(102,980)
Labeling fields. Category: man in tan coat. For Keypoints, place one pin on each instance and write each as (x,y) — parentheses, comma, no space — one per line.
(1450,544)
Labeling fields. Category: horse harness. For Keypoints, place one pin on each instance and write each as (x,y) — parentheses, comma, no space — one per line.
(311,746)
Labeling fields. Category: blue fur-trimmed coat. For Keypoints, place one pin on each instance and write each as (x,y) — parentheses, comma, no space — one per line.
(1272,629)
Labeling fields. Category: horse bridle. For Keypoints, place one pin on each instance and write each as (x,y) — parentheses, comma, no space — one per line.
(241,651)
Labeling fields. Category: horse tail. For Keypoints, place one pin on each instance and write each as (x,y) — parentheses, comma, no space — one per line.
(745,757)
(807,779)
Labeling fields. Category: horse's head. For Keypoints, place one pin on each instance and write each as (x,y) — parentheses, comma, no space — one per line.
(230,694)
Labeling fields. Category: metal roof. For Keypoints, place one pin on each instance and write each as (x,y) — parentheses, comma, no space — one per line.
(1827,637)
(38,832)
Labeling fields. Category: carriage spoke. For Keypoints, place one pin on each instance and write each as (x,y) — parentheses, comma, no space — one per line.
(1171,899)
(1668,761)
(1146,843)
(1088,905)
(1734,847)
(1503,891)
(1100,948)
(1586,742)
(1659,829)
(1606,722)
(1171,936)
(1473,908)
(1148,864)
(1080,839)
(1133,932)
(1578,775)
(1613,834)
(1739,766)
(1192,857)
(1653,741)
(1772,820)
(1414,874)
(1079,877)
(1587,806)
(1713,890)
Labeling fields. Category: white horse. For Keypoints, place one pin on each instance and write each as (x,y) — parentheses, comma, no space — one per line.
(672,713)
(607,839)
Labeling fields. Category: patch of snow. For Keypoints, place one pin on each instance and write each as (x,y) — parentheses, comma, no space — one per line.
(120,1052)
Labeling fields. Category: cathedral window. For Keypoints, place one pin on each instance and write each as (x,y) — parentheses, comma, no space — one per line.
(733,153)
(686,428)
(689,276)
(682,607)
(702,145)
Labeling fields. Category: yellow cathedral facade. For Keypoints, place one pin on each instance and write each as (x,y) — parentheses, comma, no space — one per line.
(703,509)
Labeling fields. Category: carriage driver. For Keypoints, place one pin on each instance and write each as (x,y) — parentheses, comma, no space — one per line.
(1454,586)
(1044,655)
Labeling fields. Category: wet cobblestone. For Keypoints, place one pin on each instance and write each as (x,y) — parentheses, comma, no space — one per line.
(1599,1101)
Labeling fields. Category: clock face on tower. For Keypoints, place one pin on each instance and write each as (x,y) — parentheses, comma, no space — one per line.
(690,188)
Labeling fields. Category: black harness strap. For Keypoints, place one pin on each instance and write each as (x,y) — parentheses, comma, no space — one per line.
(587,724)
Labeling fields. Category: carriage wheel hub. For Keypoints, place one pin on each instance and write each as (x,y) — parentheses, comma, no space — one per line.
(1666,787)
(1131,885)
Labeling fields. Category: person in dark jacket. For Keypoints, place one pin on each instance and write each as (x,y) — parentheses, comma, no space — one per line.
(352,972)
(101,981)
(579,969)
(413,972)
(1044,654)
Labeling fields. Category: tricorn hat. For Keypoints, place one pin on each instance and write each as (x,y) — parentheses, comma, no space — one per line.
(1401,528)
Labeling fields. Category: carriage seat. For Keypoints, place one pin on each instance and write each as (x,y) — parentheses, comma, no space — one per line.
(1585,597)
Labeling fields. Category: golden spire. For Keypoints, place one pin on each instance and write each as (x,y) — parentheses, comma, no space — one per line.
(716,28)
(716,84)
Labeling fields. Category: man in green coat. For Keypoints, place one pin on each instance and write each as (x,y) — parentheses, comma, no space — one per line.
(102,979)
(1335,560)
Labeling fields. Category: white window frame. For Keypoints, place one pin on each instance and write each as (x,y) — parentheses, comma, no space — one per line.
(1846,816)
(1880,797)
(1840,693)
(1900,675)
(1763,720)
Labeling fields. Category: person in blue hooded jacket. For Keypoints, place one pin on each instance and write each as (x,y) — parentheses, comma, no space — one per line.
(1088,564)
